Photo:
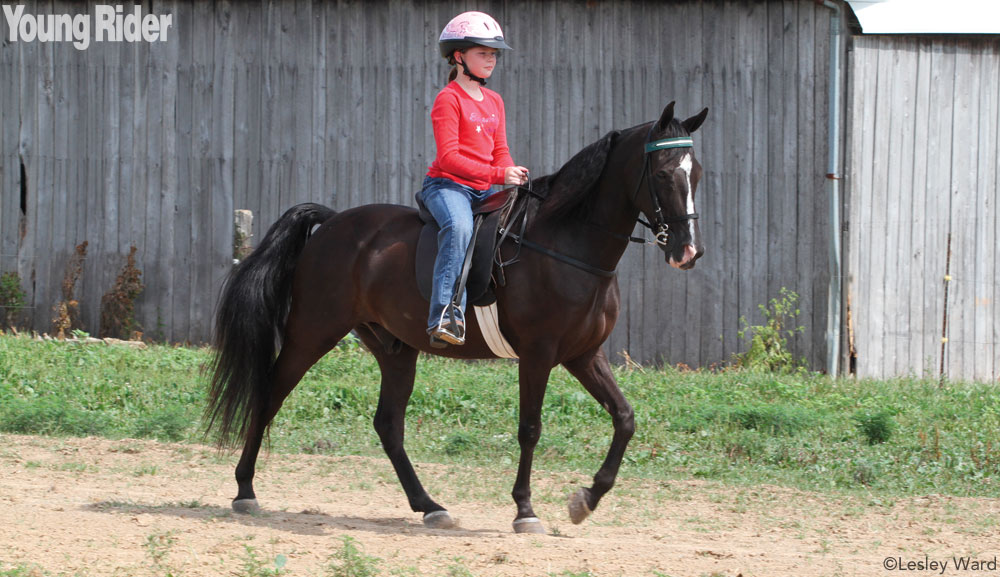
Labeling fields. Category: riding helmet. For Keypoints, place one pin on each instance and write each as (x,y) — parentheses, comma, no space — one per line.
(471,29)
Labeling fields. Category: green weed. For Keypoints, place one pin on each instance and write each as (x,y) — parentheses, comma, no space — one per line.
(251,565)
(158,547)
(50,416)
(163,424)
(23,571)
(459,442)
(350,561)
(145,470)
(866,472)
(459,570)
(876,427)
(769,342)
(11,300)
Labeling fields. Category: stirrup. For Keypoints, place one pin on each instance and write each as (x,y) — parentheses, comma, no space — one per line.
(449,331)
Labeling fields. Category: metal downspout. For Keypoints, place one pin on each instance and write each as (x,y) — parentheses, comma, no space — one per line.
(833,324)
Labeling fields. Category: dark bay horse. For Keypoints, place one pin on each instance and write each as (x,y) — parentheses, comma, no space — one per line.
(301,293)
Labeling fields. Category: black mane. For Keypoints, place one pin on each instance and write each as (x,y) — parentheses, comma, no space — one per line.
(569,192)
(568,189)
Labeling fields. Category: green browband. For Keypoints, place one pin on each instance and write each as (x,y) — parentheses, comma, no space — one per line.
(683,142)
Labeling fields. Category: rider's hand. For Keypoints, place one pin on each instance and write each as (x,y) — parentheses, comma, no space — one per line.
(515,175)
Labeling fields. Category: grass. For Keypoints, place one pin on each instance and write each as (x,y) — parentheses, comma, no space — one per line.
(22,571)
(158,547)
(892,438)
(351,561)
(252,565)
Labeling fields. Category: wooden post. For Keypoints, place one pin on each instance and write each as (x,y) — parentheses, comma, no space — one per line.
(242,234)
(944,322)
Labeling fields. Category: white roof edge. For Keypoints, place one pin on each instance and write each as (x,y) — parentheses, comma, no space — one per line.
(927,16)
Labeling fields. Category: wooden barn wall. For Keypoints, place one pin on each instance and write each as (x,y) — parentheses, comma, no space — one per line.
(261,105)
(120,145)
(925,127)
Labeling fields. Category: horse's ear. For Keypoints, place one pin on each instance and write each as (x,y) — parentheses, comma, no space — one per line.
(665,118)
(692,124)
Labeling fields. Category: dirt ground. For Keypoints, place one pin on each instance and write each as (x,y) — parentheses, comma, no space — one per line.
(98,507)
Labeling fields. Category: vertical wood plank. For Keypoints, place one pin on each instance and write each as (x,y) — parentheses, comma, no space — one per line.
(809,158)
(897,88)
(904,89)
(986,313)
(10,164)
(145,186)
(96,269)
(853,166)
(881,251)
(939,182)
(862,207)
(924,279)
(172,92)
(963,217)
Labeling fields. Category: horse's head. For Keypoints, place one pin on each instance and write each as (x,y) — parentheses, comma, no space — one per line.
(666,190)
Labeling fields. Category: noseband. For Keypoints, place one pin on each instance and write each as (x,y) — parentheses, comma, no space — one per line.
(659,226)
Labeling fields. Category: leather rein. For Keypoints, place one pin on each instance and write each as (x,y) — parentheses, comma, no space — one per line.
(659,226)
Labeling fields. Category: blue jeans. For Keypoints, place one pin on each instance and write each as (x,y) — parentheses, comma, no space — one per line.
(450,203)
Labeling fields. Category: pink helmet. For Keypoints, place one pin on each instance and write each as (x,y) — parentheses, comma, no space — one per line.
(471,29)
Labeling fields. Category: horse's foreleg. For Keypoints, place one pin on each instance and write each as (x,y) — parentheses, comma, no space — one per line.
(533,378)
(398,372)
(594,372)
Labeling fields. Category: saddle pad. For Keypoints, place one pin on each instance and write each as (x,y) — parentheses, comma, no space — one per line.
(489,325)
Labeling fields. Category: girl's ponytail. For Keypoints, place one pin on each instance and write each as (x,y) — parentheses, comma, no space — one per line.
(453,74)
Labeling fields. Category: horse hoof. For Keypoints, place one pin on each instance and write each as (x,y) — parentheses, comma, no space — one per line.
(246,506)
(578,507)
(439,520)
(529,525)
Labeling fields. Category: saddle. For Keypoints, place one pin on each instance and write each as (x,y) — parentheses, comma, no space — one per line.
(488,216)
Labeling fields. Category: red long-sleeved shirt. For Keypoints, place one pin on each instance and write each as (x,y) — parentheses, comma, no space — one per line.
(471,138)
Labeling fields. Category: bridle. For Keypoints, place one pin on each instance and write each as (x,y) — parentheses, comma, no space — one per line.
(660,224)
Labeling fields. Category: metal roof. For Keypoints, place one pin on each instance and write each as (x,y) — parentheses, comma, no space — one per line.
(927,16)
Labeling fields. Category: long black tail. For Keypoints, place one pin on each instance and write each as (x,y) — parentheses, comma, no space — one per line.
(249,323)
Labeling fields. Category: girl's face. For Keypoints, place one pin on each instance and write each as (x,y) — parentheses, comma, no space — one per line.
(480,60)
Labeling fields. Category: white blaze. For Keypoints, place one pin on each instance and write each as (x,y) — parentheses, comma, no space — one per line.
(687,164)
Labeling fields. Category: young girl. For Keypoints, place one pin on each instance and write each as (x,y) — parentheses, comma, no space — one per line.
(472,155)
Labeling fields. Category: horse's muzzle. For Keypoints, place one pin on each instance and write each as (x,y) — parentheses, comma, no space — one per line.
(684,261)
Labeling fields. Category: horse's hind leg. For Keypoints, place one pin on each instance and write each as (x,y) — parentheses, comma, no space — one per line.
(594,372)
(296,356)
(398,365)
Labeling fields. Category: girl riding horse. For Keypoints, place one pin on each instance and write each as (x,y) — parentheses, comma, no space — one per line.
(472,154)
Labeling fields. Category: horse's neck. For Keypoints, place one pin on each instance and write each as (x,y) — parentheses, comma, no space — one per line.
(600,239)
(613,211)
(613,207)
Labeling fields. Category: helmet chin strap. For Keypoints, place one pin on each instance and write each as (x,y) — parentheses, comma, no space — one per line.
(465,68)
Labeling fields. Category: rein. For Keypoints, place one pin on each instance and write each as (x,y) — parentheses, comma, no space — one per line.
(520,241)
(660,225)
